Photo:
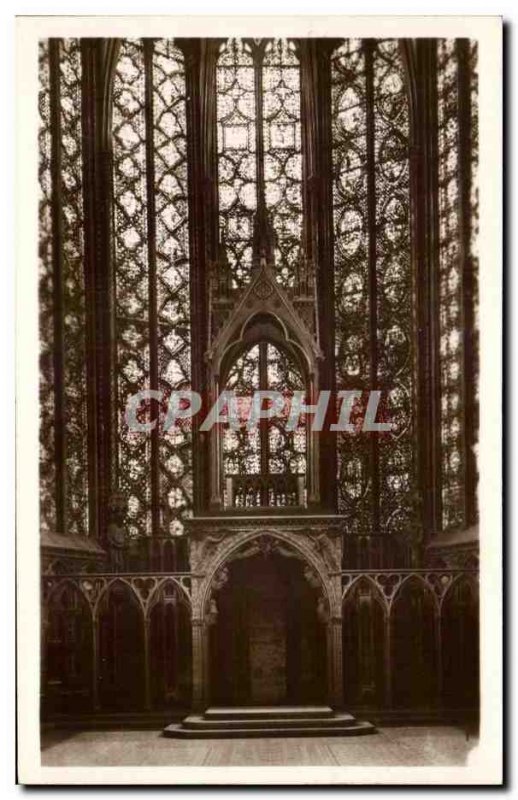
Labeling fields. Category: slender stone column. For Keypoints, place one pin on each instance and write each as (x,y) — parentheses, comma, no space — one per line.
(313,454)
(438,663)
(198,664)
(335,677)
(147,666)
(388,663)
(95,656)
(205,631)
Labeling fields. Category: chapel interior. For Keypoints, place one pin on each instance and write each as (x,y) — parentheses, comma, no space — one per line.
(287,215)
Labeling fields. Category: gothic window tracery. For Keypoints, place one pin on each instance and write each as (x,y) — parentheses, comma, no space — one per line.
(151,257)
(47,406)
(373,279)
(63,393)
(269,449)
(182,142)
(457,265)
(258,160)
(450,288)
(259,151)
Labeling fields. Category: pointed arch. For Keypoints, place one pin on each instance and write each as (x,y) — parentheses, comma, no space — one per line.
(62,585)
(268,631)
(460,644)
(258,463)
(295,544)
(364,620)
(170,646)
(121,643)
(366,582)
(413,633)
(168,587)
(68,649)
(120,584)
(415,582)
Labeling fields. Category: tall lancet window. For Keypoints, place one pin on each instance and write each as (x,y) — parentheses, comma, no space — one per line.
(64,422)
(259,151)
(266,464)
(374,307)
(458,212)
(151,260)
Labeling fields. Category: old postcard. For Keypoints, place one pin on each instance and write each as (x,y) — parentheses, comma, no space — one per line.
(259,389)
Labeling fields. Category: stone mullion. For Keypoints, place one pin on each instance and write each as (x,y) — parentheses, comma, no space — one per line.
(431,220)
(308,59)
(108,422)
(90,170)
(98,62)
(315,73)
(258,54)
(205,129)
(264,423)
(369,48)
(200,68)
(152,282)
(420,61)
(325,289)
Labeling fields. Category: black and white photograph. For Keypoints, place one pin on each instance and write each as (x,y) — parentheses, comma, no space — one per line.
(262,521)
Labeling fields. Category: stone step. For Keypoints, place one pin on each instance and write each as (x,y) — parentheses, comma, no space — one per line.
(265,721)
(354,729)
(268,712)
(199,722)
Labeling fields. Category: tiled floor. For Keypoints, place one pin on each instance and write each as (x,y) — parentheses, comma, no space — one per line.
(403,746)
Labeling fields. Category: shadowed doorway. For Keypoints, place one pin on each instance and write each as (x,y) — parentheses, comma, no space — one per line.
(268,645)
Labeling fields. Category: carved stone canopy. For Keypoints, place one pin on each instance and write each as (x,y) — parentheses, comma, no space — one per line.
(264,309)
(315,540)
(264,312)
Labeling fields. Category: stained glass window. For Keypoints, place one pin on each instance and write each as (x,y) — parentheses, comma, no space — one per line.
(282,153)
(373,279)
(259,166)
(268,455)
(286,448)
(47,404)
(352,310)
(395,290)
(242,448)
(452,256)
(259,151)
(237,154)
(64,452)
(151,255)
